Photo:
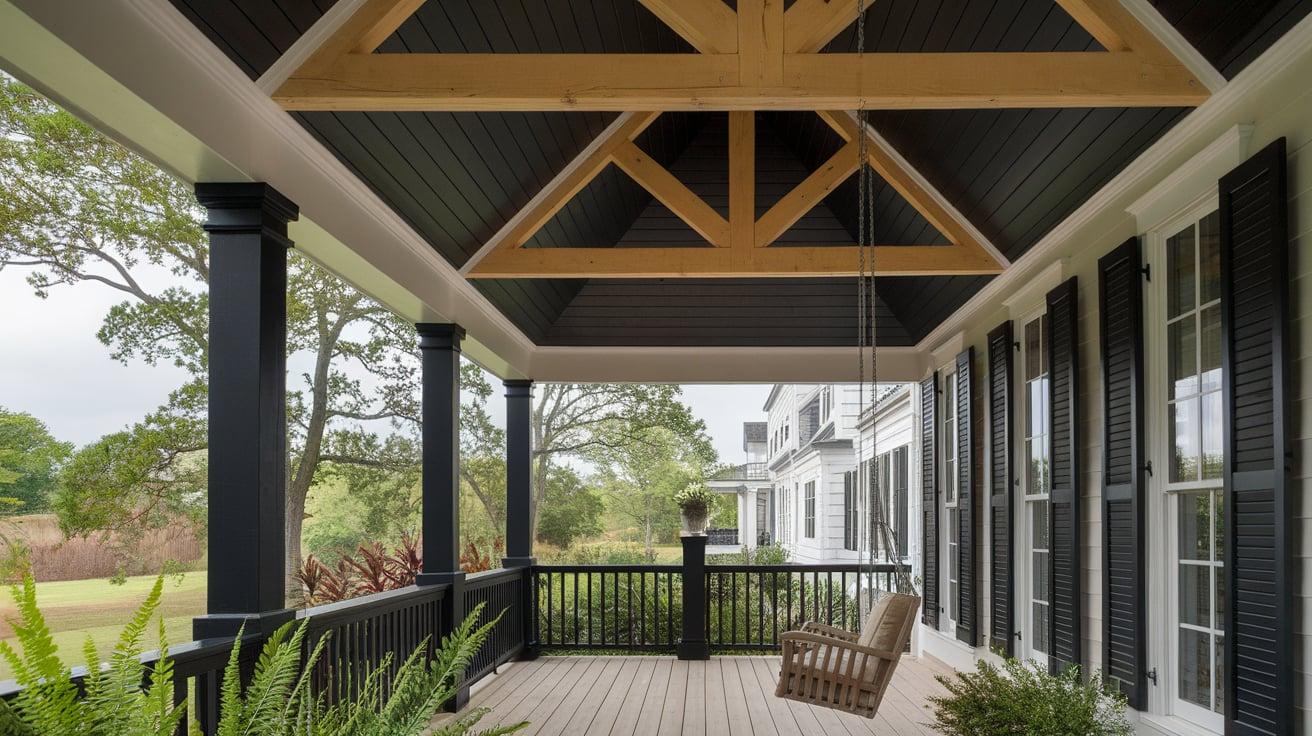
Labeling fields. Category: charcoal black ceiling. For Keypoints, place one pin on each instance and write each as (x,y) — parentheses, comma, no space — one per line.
(458,177)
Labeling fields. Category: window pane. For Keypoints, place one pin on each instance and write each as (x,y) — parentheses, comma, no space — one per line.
(1212,459)
(1218,620)
(1218,524)
(1196,595)
(1219,680)
(1211,348)
(1033,350)
(1195,527)
(1196,667)
(1209,257)
(1182,358)
(1039,524)
(1180,273)
(1040,627)
(1184,440)
(1036,417)
(1040,587)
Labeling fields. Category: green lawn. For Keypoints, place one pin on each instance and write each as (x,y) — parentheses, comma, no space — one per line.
(76,609)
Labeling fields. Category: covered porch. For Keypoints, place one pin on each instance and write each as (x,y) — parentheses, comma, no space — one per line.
(539,203)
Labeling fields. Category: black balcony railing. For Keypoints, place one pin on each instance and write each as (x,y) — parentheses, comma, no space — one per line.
(722,536)
(634,607)
(502,592)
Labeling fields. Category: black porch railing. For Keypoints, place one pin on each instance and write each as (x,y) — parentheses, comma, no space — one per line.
(722,536)
(639,607)
(635,607)
(502,593)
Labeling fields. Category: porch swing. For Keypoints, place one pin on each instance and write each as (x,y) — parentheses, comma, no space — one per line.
(823,665)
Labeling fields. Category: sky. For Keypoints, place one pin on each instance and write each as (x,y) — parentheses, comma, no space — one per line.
(53,367)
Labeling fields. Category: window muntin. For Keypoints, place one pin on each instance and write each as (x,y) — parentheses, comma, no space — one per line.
(1192,410)
(809,511)
(1037,596)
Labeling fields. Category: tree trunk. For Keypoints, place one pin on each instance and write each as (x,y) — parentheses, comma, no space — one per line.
(307,467)
(647,540)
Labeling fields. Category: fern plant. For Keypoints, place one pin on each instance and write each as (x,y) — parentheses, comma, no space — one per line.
(114,701)
(125,697)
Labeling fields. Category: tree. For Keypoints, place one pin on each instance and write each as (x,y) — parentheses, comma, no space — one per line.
(587,420)
(642,477)
(571,509)
(482,446)
(29,462)
(75,207)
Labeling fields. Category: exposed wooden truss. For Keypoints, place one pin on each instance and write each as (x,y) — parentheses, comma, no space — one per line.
(742,245)
(758,57)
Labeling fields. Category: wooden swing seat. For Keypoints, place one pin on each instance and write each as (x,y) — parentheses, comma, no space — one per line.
(838,669)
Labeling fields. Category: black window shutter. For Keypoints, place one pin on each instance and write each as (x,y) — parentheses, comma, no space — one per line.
(929,499)
(1124,608)
(967,506)
(1001,480)
(1259,634)
(1064,501)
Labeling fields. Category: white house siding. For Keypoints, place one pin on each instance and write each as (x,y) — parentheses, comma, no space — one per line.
(1277,102)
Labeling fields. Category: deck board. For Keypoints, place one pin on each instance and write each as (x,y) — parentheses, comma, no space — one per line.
(655,696)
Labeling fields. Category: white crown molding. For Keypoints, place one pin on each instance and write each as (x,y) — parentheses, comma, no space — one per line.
(305,46)
(1295,45)
(1196,175)
(1169,37)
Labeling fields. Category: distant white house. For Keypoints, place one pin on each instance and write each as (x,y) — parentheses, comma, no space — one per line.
(749,484)
(823,448)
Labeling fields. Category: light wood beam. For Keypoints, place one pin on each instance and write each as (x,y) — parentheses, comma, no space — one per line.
(805,196)
(773,262)
(361,33)
(742,179)
(569,182)
(809,25)
(761,42)
(490,82)
(709,25)
(672,193)
(1113,26)
(910,186)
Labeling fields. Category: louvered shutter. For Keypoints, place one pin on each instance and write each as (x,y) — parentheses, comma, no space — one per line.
(1259,634)
(929,499)
(967,506)
(1001,480)
(1124,610)
(1064,506)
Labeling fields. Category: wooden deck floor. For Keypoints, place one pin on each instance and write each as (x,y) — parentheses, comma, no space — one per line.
(661,695)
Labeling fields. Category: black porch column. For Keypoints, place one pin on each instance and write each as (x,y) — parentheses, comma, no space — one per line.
(247,226)
(519,502)
(439,348)
(519,474)
(693,645)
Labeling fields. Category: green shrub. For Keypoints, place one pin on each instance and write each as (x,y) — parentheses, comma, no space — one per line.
(277,701)
(1022,700)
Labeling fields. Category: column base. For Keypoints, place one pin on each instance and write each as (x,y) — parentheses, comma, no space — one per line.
(691,650)
(457,702)
(216,625)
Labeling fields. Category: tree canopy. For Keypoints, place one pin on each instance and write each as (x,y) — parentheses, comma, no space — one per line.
(29,462)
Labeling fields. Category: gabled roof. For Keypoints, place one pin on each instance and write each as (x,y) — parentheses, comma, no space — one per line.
(458,177)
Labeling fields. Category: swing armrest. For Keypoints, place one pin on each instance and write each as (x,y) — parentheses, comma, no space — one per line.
(811,627)
(803,639)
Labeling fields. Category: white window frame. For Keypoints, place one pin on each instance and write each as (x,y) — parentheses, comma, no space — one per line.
(950,499)
(1024,521)
(808,509)
(1163,496)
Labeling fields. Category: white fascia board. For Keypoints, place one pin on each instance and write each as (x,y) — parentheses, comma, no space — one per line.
(782,365)
(170,94)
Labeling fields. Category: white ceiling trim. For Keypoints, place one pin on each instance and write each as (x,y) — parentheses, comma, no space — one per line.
(305,46)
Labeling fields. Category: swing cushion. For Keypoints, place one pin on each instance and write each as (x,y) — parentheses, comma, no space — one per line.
(884,625)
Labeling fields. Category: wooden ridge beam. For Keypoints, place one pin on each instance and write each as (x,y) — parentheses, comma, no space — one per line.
(742,179)
(672,193)
(772,262)
(709,26)
(503,82)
